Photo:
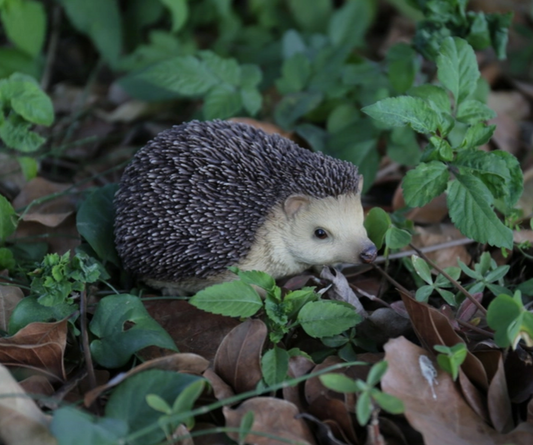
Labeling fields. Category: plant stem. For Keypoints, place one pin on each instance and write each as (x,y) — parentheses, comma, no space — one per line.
(85,340)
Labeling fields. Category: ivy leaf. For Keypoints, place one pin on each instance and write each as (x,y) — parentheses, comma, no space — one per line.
(425,182)
(469,202)
(405,110)
(457,68)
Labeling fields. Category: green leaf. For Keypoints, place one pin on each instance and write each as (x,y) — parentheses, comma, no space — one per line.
(499,31)
(158,403)
(8,219)
(298,298)
(402,146)
(28,100)
(315,136)
(342,28)
(422,269)
(16,134)
(294,106)
(402,66)
(477,134)
(7,260)
(128,401)
(95,221)
(388,402)
(311,19)
(469,204)
(256,277)
(502,312)
(180,12)
(479,35)
(404,110)
(457,68)
(245,426)
(232,299)
(425,182)
(226,70)
(221,102)
(341,117)
(433,94)
(71,425)
(28,166)
(515,186)
(100,20)
(275,365)
(251,100)
(327,318)
(376,373)
(377,222)
(251,75)
(396,238)
(296,72)
(363,408)
(423,293)
(338,382)
(472,111)
(188,397)
(25,25)
(115,344)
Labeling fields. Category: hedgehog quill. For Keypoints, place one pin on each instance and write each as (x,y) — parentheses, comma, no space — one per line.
(203,196)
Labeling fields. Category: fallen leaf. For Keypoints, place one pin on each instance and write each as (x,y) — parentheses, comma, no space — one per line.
(274,417)
(9,298)
(501,413)
(37,385)
(220,388)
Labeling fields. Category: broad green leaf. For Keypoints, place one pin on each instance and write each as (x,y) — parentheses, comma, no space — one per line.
(477,134)
(7,260)
(515,186)
(502,312)
(298,298)
(327,318)
(434,94)
(14,60)
(251,100)
(479,35)
(338,382)
(74,426)
(180,12)
(341,117)
(95,220)
(261,279)
(294,106)
(402,66)
(469,204)
(275,365)
(27,99)
(295,74)
(422,269)
(315,136)
(25,25)
(404,110)
(8,218)
(396,238)
(472,111)
(377,222)
(222,102)
(100,20)
(425,182)
(457,68)
(28,166)
(232,299)
(16,134)
(312,19)
(128,401)
(251,75)
(349,23)
(114,345)
(292,43)
(226,70)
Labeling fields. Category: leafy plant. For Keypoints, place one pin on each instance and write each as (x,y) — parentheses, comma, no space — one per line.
(475,181)
(440,284)
(487,274)
(369,397)
(450,359)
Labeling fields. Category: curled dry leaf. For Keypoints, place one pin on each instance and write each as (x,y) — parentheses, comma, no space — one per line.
(238,359)
(192,329)
(180,362)
(448,420)
(21,422)
(50,213)
(9,298)
(221,389)
(273,417)
(37,384)
(341,289)
(39,346)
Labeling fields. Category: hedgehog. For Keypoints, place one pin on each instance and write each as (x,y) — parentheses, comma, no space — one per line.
(204,196)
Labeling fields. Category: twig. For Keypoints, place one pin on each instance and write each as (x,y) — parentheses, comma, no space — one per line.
(52,48)
(475,328)
(85,340)
(454,282)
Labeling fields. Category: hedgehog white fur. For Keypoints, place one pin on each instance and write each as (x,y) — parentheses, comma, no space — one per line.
(203,196)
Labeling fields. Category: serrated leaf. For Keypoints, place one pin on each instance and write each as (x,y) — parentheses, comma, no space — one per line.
(221,102)
(434,94)
(515,186)
(251,100)
(377,222)
(477,134)
(232,299)
(180,12)
(275,365)
(16,134)
(114,346)
(469,203)
(256,277)
(326,318)
(8,218)
(251,75)
(338,382)
(457,68)
(404,110)
(225,69)
(425,182)
(472,111)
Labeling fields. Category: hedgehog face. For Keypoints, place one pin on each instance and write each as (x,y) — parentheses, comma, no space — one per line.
(327,231)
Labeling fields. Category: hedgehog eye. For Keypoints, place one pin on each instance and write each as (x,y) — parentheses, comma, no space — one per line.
(321,233)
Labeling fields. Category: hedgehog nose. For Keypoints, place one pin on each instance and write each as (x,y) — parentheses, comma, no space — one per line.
(369,254)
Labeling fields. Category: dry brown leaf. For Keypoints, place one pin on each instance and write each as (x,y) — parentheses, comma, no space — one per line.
(498,401)
(238,359)
(39,345)
(21,422)
(50,213)
(192,329)
(334,410)
(272,416)
(37,384)
(179,362)
(9,298)
(298,366)
(220,388)
(446,420)
(314,388)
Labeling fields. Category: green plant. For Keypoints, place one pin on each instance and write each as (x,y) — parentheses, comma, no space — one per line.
(369,397)
(487,274)
(440,284)
(450,359)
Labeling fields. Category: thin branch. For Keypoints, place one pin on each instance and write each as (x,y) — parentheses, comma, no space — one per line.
(454,282)
(475,328)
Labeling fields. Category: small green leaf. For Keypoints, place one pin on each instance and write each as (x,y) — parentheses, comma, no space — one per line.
(245,426)
(256,277)
(115,345)
(402,146)
(25,25)
(396,238)
(275,365)
(16,134)
(472,111)
(402,66)
(157,403)
(338,382)
(388,402)
(251,100)
(28,166)
(433,94)
(180,12)
(377,222)
(188,397)
(8,219)
(425,182)
(478,134)
(423,293)
(376,373)
(422,269)
(363,408)
(294,106)
(28,100)
(222,101)
(469,204)
(295,74)
(404,110)
(457,68)
(327,318)
(232,299)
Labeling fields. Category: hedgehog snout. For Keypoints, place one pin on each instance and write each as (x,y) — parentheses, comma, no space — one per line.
(368,254)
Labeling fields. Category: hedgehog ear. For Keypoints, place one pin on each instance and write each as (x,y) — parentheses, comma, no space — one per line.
(293,204)
(360,184)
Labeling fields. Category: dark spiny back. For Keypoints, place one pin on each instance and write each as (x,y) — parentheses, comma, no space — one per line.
(192,199)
